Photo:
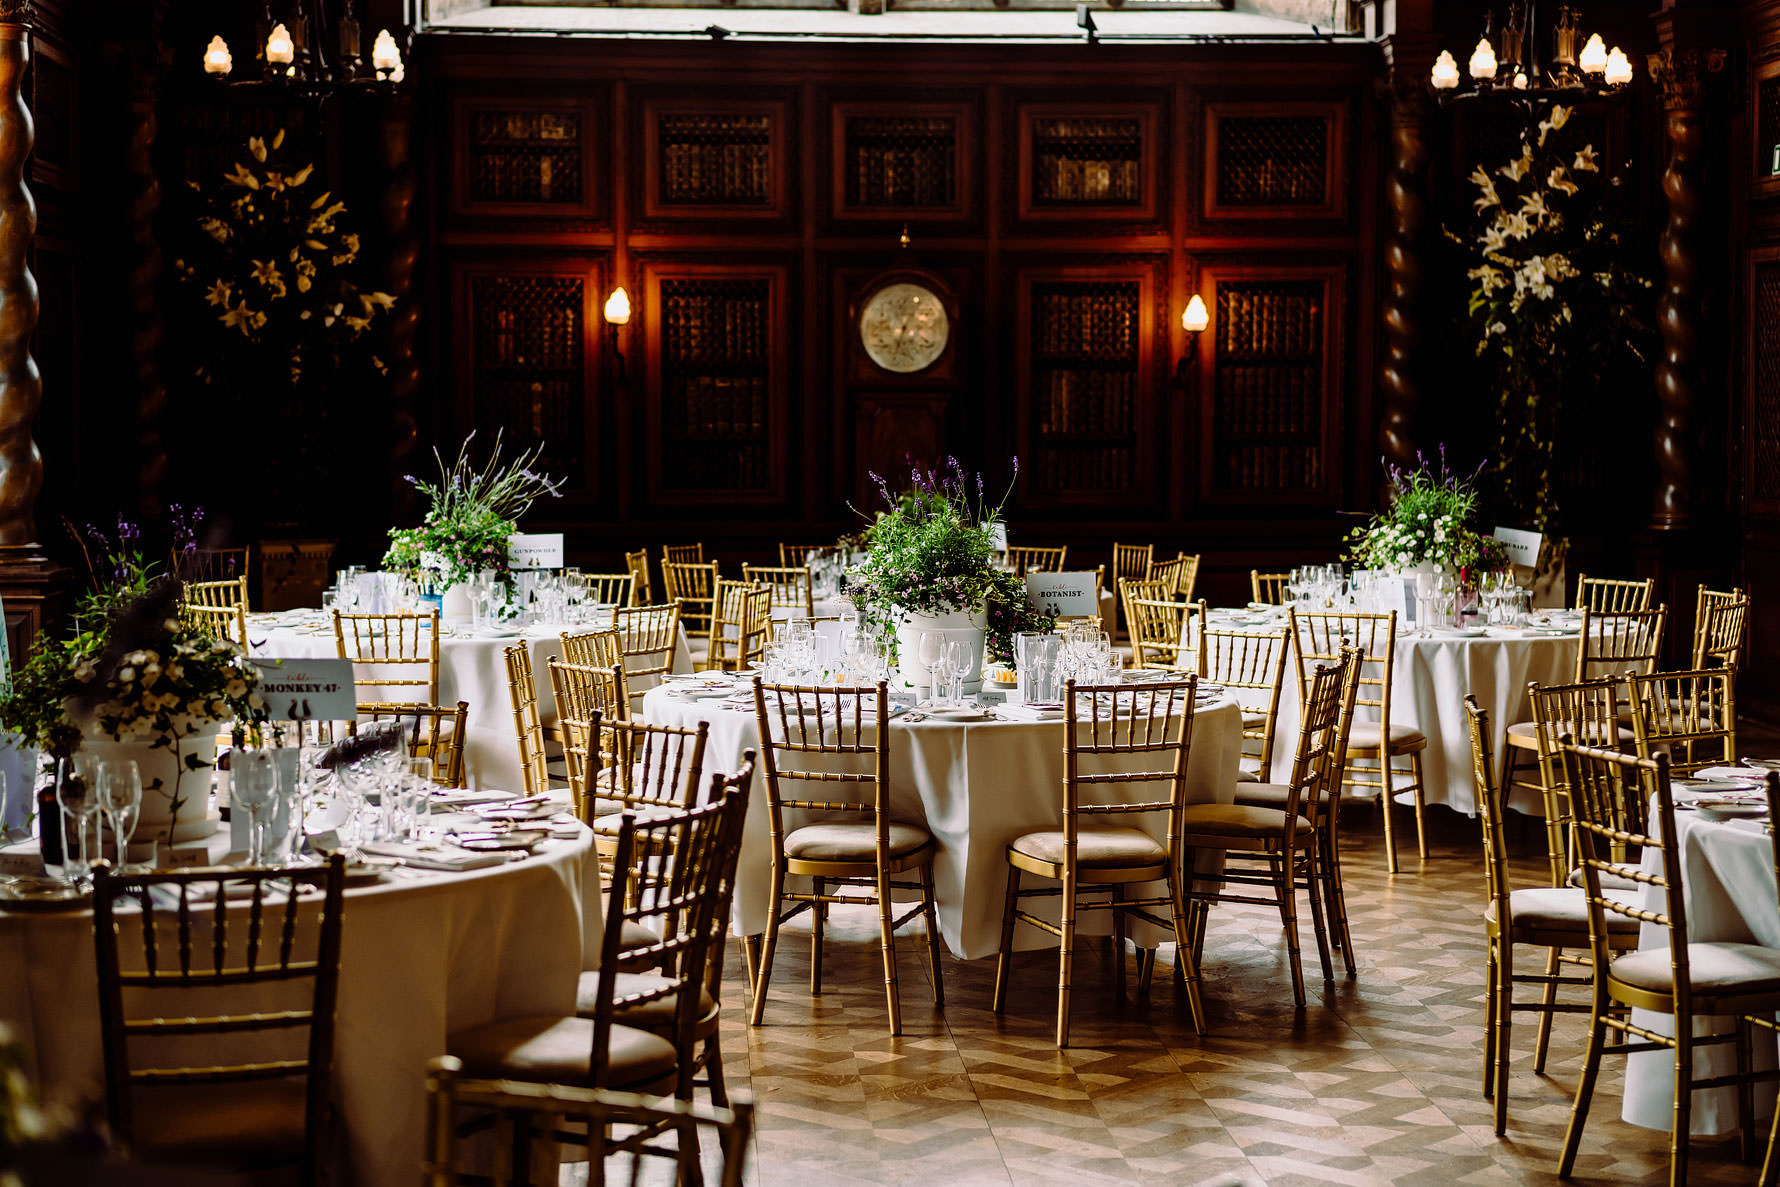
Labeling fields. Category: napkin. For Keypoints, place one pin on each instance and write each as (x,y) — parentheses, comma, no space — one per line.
(421,856)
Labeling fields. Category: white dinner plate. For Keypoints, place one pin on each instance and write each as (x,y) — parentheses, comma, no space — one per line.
(1729,810)
(958,713)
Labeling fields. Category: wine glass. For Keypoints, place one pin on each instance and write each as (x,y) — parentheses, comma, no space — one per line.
(930,653)
(961,662)
(120,794)
(78,794)
(253,784)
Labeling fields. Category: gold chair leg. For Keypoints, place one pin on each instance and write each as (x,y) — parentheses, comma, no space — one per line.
(1146,971)
(1585,1089)
(1489,1022)
(931,911)
(818,916)
(1553,964)
(1503,1000)
(1118,942)
(1386,804)
(887,934)
(751,954)
(1186,961)
(714,1083)
(1004,958)
(1288,917)
(1317,923)
(1681,1126)
(1770,1165)
(1337,905)
(1745,1092)
(1421,824)
(763,978)
(1065,962)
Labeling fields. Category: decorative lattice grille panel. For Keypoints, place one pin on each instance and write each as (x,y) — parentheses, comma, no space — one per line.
(1272,160)
(1084,397)
(909,162)
(714,160)
(1087,162)
(716,376)
(525,156)
(1764,395)
(1267,413)
(530,374)
(1767,127)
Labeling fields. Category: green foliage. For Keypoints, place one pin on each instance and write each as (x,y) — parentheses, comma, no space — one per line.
(1428,520)
(471,514)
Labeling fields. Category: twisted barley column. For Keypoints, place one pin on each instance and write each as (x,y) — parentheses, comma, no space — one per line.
(145,308)
(21,389)
(1406,195)
(403,253)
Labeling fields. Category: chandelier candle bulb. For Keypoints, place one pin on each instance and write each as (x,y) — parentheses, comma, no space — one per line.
(1194,318)
(1445,75)
(1593,59)
(279,50)
(1520,80)
(386,59)
(1619,68)
(1483,61)
(618,307)
(216,57)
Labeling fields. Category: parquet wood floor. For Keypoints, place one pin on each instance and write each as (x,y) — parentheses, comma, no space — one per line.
(1377,1081)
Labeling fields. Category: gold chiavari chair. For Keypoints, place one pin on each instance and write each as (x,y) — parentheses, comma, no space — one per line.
(1137,735)
(790,586)
(1586,711)
(293,573)
(1165,634)
(598,649)
(649,635)
(683,554)
(1037,560)
(1181,574)
(1129,588)
(1269,588)
(1720,628)
(837,738)
(1691,716)
(1274,847)
(1682,978)
(432,732)
(611,589)
(694,587)
(747,609)
(1251,664)
(213,564)
(1607,594)
(218,608)
(638,767)
(521,1108)
(1372,745)
(528,727)
(642,590)
(583,693)
(797,556)
(670,930)
(266,1102)
(1130,562)
(1554,918)
(398,654)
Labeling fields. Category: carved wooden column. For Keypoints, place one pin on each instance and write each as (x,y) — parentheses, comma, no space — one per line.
(403,252)
(1406,197)
(1680,315)
(144,281)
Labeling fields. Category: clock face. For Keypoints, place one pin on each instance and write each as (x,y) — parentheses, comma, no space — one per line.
(904,328)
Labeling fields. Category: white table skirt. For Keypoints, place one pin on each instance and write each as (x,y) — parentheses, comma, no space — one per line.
(472,668)
(975,785)
(1429,682)
(420,957)
(1727,874)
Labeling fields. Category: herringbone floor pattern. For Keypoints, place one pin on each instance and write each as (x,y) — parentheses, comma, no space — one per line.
(1377,1081)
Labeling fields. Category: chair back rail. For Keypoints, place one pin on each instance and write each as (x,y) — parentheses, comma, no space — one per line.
(1252,666)
(404,647)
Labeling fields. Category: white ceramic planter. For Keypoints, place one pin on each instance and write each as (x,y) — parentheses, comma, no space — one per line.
(970,627)
(175,783)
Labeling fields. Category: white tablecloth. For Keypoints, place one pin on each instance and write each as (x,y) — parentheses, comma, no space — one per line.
(1727,872)
(975,785)
(420,958)
(1429,682)
(472,668)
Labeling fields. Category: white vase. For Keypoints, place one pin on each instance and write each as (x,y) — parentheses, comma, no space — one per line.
(175,783)
(455,606)
(967,626)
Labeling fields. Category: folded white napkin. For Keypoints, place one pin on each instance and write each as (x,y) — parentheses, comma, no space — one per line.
(422,856)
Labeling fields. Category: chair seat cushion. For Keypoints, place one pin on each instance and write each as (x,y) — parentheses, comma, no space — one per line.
(1559,908)
(1522,733)
(1610,881)
(852,842)
(249,1125)
(656,1014)
(1253,721)
(555,1050)
(1363,735)
(1712,968)
(1109,846)
(1238,820)
(1263,795)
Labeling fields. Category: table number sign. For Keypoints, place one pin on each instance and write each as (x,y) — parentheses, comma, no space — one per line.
(308,689)
(21,865)
(1067,595)
(1522,546)
(540,550)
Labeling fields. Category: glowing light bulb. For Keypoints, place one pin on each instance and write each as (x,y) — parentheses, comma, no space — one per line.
(279,50)
(386,59)
(618,307)
(1445,75)
(1520,80)
(1194,318)
(1619,68)
(1593,59)
(1483,60)
(216,57)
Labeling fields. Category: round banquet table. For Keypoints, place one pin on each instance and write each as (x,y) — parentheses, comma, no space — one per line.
(422,955)
(1430,677)
(472,668)
(976,786)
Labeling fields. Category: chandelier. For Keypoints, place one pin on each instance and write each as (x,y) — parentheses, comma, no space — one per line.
(1507,61)
(296,51)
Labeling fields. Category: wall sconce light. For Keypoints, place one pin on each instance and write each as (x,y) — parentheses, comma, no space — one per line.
(216,57)
(386,58)
(280,49)
(617,317)
(1193,319)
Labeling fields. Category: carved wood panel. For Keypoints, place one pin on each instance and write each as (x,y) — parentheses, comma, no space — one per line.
(1284,160)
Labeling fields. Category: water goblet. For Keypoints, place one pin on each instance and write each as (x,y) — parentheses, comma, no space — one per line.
(120,794)
(961,662)
(930,653)
(78,794)
(253,784)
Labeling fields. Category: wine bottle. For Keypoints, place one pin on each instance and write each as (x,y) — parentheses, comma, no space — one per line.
(49,825)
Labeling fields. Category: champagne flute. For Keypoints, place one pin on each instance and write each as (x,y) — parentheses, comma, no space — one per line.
(253,782)
(120,793)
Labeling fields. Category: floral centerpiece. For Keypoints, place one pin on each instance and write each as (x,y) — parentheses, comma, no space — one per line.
(930,564)
(471,515)
(1427,522)
(1556,310)
(134,678)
